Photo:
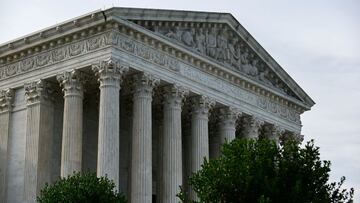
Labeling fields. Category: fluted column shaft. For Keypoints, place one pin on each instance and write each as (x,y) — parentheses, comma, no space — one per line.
(39,135)
(6,99)
(141,163)
(109,74)
(71,152)
(172,145)
(199,134)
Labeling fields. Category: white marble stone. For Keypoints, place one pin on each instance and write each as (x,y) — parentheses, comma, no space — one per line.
(16,149)
(141,160)
(273,132)
(109,74)
(6,102)
(71,153)
(199,134)
(172,145)
(227,124)
(39,135)
(252,126)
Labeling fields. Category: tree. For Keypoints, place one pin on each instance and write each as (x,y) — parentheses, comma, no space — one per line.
(261,171)
(81,188)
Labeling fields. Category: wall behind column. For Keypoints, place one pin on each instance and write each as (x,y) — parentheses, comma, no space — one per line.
(156,131)
(57,137)
(125,145)
(16,149)
(90,132)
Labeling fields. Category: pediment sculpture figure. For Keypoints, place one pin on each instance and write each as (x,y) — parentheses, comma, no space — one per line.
(200,41)
(234,52)
(174,34)
(251,69)
(263,74)
(221,50)
(187,37)
(211,43)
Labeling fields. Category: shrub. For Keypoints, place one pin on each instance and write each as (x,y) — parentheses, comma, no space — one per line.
(81,188)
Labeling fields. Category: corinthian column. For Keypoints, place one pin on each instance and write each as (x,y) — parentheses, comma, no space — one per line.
(109,74)
(39,135)
(141,168)
(6,99)
(199,134)
(227,124)
(172,146)
(252,127)
(297,137)
(275,132)
(71,152)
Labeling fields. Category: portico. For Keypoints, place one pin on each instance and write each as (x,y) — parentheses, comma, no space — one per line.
(132,96)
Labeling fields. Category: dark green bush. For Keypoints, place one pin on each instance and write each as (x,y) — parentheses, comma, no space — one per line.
(261,171)
(81,188)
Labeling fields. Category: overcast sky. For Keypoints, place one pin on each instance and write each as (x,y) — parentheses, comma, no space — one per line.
(316,42)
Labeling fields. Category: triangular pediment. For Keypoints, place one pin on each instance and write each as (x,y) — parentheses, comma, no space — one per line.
(218,37)
(222,44)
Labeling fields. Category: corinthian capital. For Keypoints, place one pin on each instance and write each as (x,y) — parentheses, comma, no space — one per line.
(38,91)
(144,84)
(278,130)
(110,70)
(174,95)
(252,126)
(298,137)
(228,115)
(72,83)
(286,136)
(6,99)
(254,122)
(202,104)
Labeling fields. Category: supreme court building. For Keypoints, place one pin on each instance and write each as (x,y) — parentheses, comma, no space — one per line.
(139,95)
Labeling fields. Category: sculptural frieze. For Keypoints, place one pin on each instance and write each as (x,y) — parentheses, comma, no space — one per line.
(94,43)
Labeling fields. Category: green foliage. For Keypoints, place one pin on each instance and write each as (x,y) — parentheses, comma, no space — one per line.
(260,171)
(81,188)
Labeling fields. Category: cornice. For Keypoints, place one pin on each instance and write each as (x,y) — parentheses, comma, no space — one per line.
(50,33)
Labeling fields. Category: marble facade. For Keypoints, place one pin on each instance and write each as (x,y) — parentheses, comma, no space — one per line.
(139,95)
